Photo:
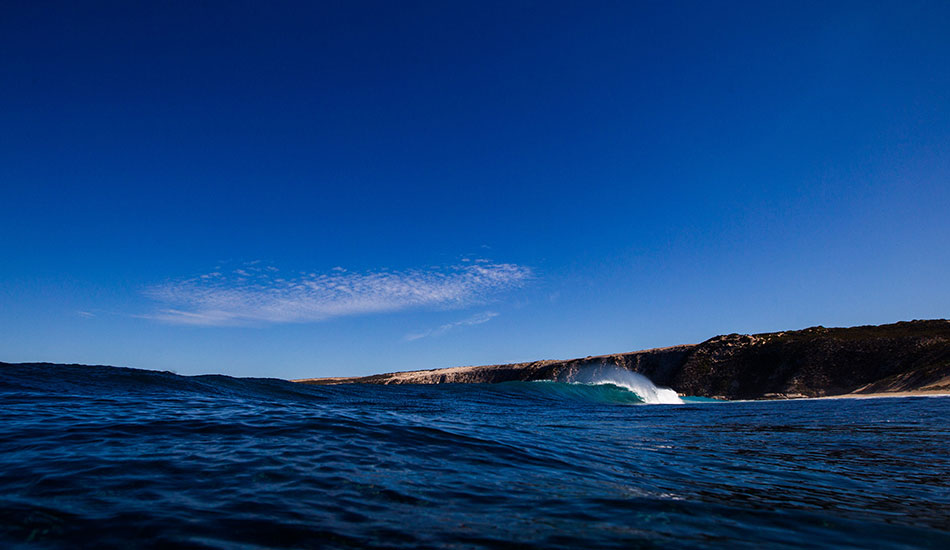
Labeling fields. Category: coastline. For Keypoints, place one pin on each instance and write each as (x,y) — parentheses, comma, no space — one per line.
(876,395)
(413,377)
(908,358)
(915,393)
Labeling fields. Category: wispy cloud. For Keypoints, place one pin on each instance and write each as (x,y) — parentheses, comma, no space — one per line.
(473,320)
(257,294)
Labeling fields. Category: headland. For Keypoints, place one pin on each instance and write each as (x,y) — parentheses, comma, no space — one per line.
(899,359)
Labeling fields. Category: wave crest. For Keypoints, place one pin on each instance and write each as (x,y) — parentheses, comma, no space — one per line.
(642,386)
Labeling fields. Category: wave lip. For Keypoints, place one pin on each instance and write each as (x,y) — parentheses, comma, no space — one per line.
(642,386)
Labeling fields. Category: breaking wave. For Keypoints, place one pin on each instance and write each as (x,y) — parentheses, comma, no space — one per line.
(634,382)
(606,384)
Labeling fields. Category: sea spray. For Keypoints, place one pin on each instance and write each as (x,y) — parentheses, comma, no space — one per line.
(637,383)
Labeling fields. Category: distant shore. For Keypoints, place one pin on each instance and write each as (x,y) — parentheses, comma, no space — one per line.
(424,377)
(916,393)
(903,359)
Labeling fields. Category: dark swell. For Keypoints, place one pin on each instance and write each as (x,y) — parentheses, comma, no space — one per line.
(99,457)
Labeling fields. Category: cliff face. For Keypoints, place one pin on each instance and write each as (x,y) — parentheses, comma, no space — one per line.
(818,361)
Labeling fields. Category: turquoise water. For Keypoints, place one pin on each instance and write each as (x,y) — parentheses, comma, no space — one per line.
(115,458)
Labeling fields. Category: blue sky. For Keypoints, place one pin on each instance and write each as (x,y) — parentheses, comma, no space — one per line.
(343,188)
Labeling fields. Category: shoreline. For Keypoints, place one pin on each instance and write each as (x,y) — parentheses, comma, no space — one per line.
(396,379)
(848,396)
(877,395)
(908,358)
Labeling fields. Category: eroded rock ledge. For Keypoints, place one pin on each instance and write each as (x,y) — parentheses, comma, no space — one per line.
(911,356)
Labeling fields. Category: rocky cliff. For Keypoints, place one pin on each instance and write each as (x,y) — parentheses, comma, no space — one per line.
(818,361)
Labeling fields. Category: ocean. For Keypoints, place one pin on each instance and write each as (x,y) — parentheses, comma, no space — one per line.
(102,457)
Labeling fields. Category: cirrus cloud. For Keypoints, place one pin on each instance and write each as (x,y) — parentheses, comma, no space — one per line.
(257,294)
(477,319)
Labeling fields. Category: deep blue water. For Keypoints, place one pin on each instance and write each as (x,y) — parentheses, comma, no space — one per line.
(102,457)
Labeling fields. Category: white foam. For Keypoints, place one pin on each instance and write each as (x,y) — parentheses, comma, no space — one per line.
(635,382)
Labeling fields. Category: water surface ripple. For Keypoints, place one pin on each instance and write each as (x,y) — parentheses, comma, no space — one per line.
(116,458)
